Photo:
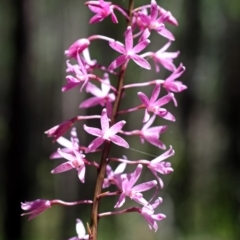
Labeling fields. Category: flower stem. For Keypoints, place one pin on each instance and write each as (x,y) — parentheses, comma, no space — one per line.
(106,149)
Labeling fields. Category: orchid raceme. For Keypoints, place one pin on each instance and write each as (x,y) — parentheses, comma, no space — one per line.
(107,86)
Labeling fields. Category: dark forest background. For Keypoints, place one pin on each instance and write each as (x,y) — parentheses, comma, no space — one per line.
(202,196)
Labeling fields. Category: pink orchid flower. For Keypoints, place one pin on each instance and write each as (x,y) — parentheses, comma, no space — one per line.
(75,161)
(77,47)
(106,133)
(126,184)
(158,165)
(113,175)
(175,86)
(102,9)
(152,134)
(151,218)
(35,207)
(154,105)
(128,51)
(102,96)
(165,58)
(153,22)
(81,75)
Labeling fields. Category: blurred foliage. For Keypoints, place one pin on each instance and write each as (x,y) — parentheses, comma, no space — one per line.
(201,198)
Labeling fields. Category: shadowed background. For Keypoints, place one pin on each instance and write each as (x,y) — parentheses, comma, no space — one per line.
(201,198)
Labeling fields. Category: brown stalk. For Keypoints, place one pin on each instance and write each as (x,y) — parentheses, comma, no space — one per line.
(107,147)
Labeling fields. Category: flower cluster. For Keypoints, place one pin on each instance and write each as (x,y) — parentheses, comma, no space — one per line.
(82,74)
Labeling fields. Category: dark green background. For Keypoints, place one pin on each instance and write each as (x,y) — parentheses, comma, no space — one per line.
(201,198)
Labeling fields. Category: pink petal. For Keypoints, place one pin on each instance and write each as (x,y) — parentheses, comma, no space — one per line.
(128,39)
(154,10)
(119,141)
(106,85)
(169,153)
(117,127)
(146,116)
(63,168)
(135,175)
(95,9)
(166,33)
(164,100)
(148,124)
(91,102)
(158,217)
(117,46)
(146,33)
(141,61)
(155,142)
(114,18)
(94,90)
(144,18)
(64,142)
(120,201)
(139,199)
(77,47)
(93,131)
(65,155)
(155,93)
(168,116)
(81,173)
(141,45)
(95,19)
(104,121)
(117,62)
(94,144)
(145,186)
(144,99)
(168,64)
